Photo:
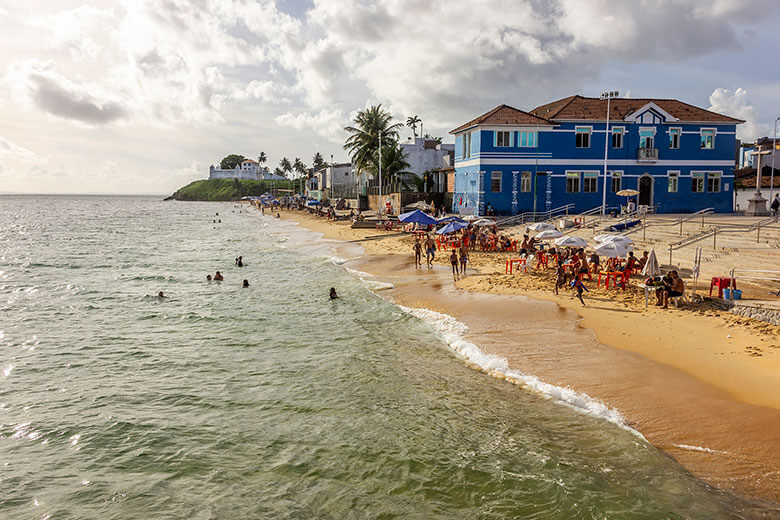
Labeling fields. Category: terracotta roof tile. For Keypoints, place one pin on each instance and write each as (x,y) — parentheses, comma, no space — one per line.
(585,108)
(504,115)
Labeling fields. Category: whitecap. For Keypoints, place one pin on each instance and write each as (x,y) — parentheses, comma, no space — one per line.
(699,449)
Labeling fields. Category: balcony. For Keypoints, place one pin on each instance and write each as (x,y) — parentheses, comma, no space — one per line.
(647,154)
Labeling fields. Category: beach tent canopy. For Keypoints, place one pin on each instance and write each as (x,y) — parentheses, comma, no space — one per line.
(627,193)
(451,228)
(613,249)
(549,234)
(421,204)
(449,219)
(651,267)
(613,238)
(484,222)
(417,217)
(313,203)
(570,242)
(541,226)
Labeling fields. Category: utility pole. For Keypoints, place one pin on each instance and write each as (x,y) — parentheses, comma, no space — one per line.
(774,152)
(380,173)
(608,96)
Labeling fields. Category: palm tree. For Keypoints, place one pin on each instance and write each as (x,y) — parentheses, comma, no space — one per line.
(411,122)
(317,161)
(300,168)
(285,166)
(363,142)
(394,163)
(262,158)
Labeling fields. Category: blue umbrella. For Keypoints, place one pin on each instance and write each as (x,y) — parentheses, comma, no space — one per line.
(313,203)
(450,219)
(417,217)
(451,227)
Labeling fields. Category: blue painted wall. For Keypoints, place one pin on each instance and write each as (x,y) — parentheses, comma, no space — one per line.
(556,153)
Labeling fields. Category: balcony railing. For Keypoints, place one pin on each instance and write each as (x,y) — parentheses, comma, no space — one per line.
(647,154)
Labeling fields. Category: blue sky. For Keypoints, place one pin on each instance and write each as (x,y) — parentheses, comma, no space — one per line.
(141,96)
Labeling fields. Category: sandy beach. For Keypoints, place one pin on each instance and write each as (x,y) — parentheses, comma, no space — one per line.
(698,383)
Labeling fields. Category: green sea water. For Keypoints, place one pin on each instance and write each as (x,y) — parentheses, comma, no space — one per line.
(272,401)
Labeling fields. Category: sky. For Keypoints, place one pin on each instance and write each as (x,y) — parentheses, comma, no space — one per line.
(142,96)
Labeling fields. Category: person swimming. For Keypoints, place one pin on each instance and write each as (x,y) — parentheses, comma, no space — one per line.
(240,261)
(246,284)
(218,277)
(160,295)
(333,294)
(208,277)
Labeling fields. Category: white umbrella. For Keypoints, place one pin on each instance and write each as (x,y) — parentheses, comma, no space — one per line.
(570,242)
(541,226)
(613,238)
(469,218)
(613,249)
(627,193)
(549,234)
(484,222)
(651,267)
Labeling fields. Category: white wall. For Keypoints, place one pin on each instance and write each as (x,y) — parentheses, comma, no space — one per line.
(422,159)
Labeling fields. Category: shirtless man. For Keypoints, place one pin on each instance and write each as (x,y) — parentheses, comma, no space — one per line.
(673,289)
(430,251)
(454,262)
(417,253)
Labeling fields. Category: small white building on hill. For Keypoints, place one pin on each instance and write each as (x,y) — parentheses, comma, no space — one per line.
(247,170)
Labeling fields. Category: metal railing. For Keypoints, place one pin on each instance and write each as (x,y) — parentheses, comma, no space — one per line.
(534,216)
(723,229)
(774,276)
(647,154)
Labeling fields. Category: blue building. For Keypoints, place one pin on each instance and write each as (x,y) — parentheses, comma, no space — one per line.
(679,157)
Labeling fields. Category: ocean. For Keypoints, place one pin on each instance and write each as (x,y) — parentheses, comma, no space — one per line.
(274,401)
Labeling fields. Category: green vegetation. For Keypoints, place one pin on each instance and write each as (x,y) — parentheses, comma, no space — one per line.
(227,189)
(363,144)
(230,162)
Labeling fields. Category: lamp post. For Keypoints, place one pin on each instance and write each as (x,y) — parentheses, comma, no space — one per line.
(608,96)
(536,167)
(380,173)
(774,152)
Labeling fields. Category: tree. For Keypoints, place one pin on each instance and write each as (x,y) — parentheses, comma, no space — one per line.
(412,122)
(299,167)
(262,158)
(318,162)
(230,162)
(279,172)
(394,162)
(429,136)
(363,141)
(285,166)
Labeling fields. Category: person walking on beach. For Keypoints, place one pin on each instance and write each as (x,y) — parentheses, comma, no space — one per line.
(454,262)
(775,206)
(417,253)
(430,251)
(464,258)
(579,287)
(560,277)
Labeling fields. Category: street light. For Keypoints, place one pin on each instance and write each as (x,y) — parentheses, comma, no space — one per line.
(380,173)
(608,96)
(774,152)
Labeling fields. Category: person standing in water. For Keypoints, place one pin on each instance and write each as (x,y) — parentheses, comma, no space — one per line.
(333,294)
(218,277)
(430,251)
(245,284)
(454,262)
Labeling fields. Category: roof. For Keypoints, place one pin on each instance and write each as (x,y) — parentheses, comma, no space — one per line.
(249,160)
(504,115)
(590,109)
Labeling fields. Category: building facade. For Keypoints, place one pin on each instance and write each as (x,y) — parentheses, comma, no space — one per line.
(426,154)
(247,170)
(680,158)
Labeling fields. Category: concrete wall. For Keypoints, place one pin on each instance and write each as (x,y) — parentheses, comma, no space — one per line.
(425,154)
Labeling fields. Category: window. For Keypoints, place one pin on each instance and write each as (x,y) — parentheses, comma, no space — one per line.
(466,146)
(495,182)
(674,138)
(617,181)
(502,139)
(526,139)
(674,180)
(525,182)
(617,137)
(697,182)
(713,182)
(708,138)
(572,182)
(583,138)
(646,137)
(590,182)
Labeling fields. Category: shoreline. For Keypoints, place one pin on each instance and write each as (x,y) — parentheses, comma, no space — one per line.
(728,439)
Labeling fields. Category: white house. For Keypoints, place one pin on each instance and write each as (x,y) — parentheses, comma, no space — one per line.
(426,154)
(246,170)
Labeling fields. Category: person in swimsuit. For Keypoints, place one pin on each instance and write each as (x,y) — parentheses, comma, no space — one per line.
(579,287)
(417,253)
(454,262)
(208,277)
(672,290)
(245,284)
(464,258)
(218,277)
(333,294)
(430,251)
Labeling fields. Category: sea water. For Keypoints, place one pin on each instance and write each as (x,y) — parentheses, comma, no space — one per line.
(272,401)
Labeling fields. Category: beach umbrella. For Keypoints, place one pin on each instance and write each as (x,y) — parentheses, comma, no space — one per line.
(417,217)
(422,205)
(613,238)
(549,234)
(613,249)
(451,228)
(449,219)
(541,226)
(469,218)
(651,267)
(484,222)
(570,242)
(627,193)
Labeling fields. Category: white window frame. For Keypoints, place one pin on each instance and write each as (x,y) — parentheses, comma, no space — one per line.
(647,129)
(673,174)
(715,175)
(574,175)
(591,176)
(671,132)
(467,145)
(617,130)
(502,133)
(500,177)
(616,174)
(526,182)
(581,130)
(701,137)
(699,175)
(533,134)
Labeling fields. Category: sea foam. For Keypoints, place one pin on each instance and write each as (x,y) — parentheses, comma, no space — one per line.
(452,332)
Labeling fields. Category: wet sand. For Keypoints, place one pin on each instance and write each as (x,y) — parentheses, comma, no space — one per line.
(728,441)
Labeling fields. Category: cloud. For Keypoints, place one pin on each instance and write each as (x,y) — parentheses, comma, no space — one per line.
(9,150)
(328,122)
(61,97)
(735,103)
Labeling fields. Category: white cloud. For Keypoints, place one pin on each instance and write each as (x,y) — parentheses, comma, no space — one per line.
(735,103)
(9,150)
(328,122)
